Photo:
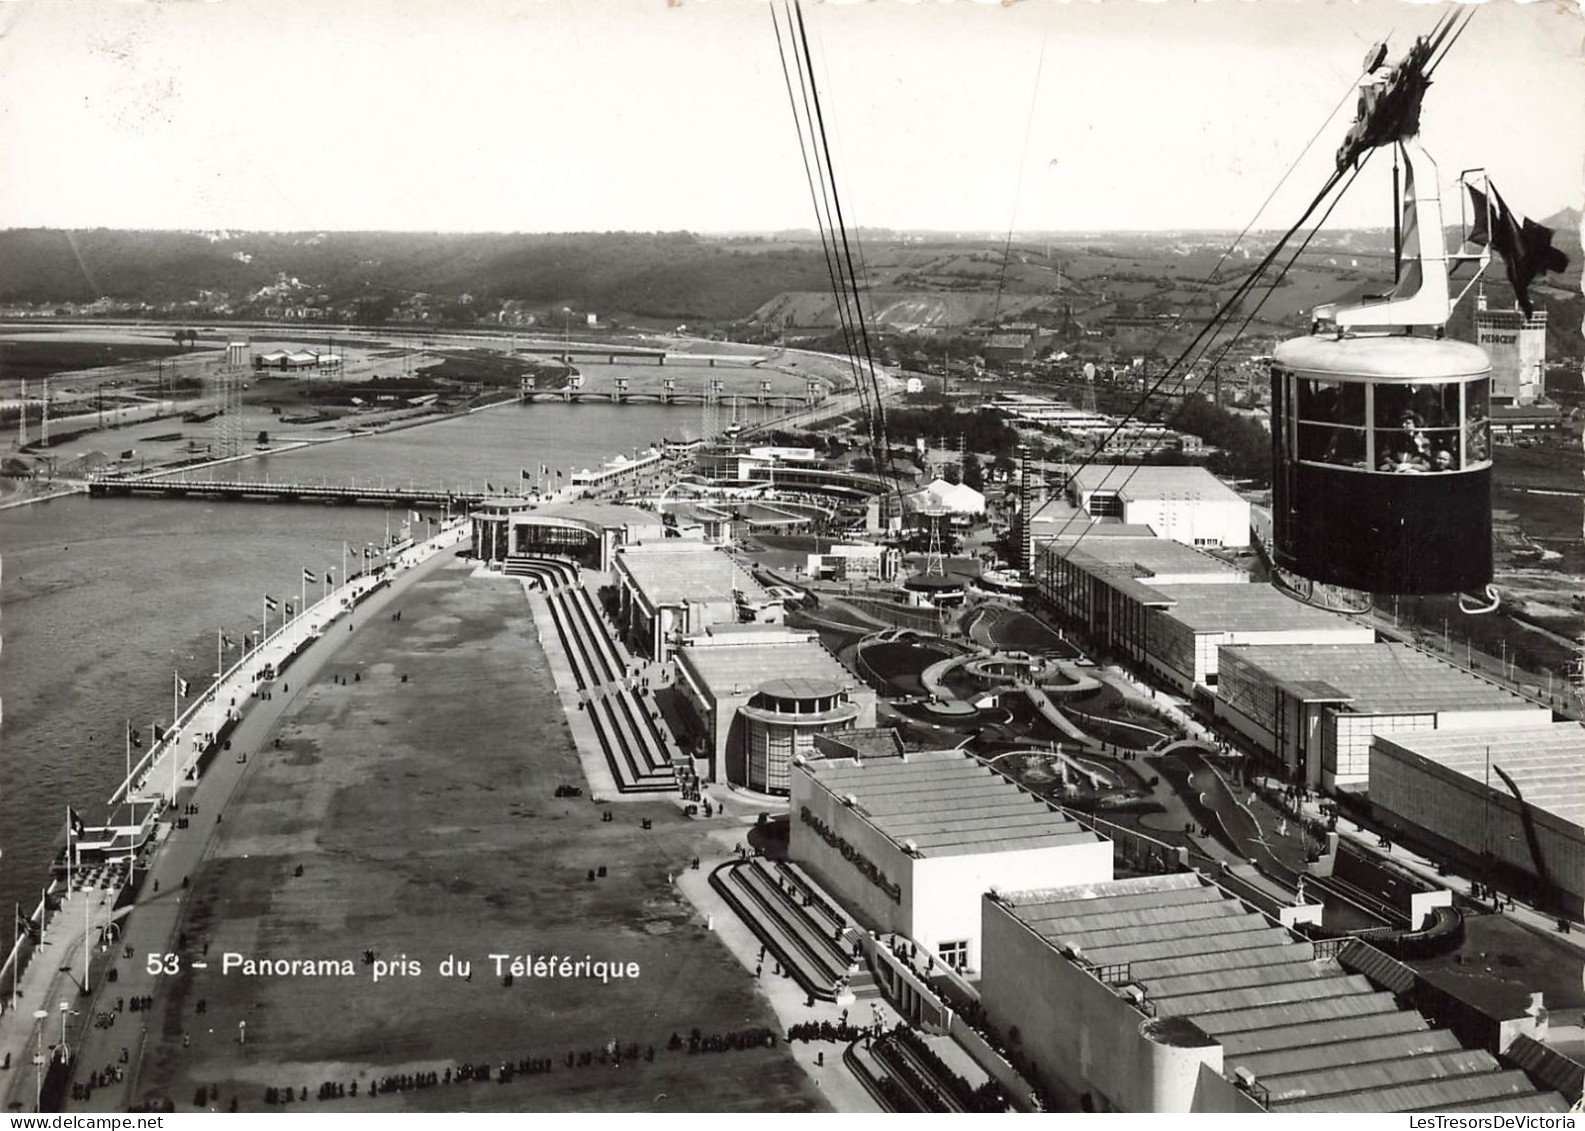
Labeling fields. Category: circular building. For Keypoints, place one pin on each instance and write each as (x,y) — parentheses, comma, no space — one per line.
(780,722)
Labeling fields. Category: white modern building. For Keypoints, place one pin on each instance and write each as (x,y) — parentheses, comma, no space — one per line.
(910,842)
(758,695)
(1316,707)
(1184,636)
(1516,344)
(1185,504)
(669,590)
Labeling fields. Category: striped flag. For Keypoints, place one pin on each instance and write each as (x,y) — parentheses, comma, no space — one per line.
(269,603)
(181,687)
(308,576)
(288,608)
(226,641)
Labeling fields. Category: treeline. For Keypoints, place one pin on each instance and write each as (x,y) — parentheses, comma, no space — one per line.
(671,275)
(1244,446)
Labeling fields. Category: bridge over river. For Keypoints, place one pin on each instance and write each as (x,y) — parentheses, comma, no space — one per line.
(274,491)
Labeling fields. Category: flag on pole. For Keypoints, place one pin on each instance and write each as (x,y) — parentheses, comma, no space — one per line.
(269,603)
(226,641)
(558,473)
(158,733)
(308,576)
(133,735)
(288,607)
(415,516)
(181,687)
(75,821)
(489,488)
(526,475)
(1525,246)
(544,469)
(330,577)
(26,928)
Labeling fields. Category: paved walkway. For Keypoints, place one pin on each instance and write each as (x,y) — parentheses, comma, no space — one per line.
(789,1002)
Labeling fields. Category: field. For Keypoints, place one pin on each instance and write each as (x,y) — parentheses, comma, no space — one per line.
(411,817)
(35,357)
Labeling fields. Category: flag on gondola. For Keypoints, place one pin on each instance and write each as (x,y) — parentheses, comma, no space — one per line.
(269,603)
(181,687)
(308,576)
(1525,246)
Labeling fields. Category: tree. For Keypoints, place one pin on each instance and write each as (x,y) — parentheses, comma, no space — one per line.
(973,473)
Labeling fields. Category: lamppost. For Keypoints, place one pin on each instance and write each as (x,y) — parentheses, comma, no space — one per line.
(39,1016)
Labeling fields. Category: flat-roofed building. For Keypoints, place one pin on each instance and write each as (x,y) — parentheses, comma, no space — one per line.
(910,842)
(856,562)
(671,590)
(1513,799)
(1166,994)
(1185,504)
(758,696)
(1314,707)
(1109,583)
(1183,638)
(589,533)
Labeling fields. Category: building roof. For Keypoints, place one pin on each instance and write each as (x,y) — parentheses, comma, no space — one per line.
(945,803)
(959,498)
(1315,1036)
(1376,679)
(731,665)
(1136,482)
(1546,763)
(670,574)
(1247,608)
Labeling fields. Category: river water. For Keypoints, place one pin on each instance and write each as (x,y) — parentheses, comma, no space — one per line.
(102,600)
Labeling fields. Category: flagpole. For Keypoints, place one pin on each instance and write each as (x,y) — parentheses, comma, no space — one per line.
(68,850)
(16,943)
(176,698)
(302,594)
(87,926)
(343,563)
(126,782)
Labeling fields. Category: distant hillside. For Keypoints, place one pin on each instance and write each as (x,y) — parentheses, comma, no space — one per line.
(673,275)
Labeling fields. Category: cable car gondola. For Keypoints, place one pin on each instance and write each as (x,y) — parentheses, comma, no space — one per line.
(1381,426)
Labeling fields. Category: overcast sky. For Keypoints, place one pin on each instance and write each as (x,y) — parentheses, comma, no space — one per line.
(573,115)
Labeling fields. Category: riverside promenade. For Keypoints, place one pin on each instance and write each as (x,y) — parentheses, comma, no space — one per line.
(53,974)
